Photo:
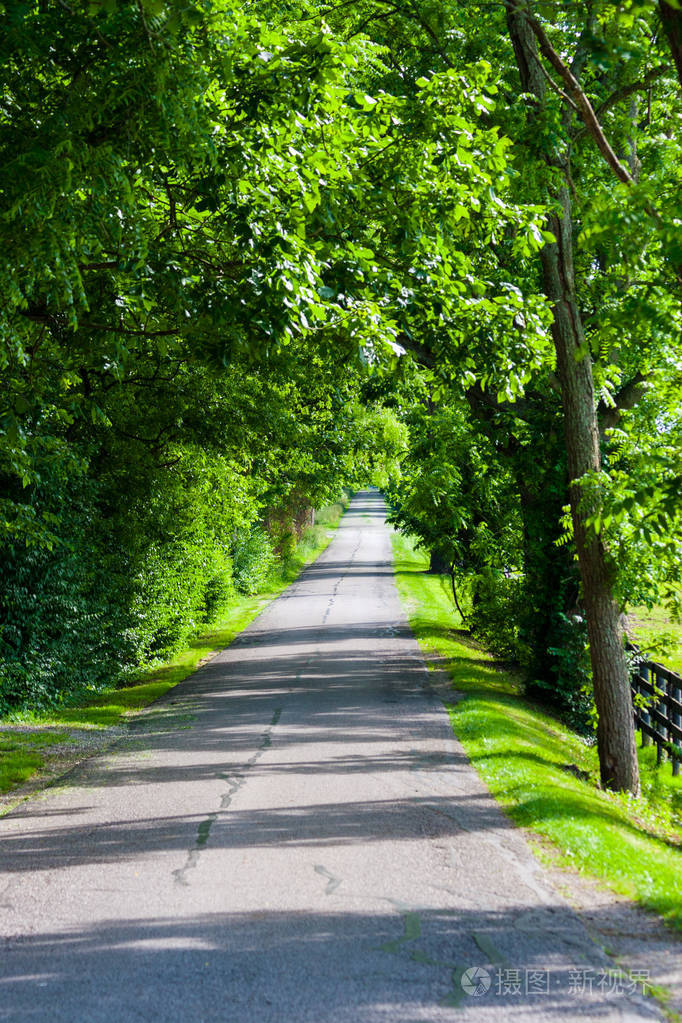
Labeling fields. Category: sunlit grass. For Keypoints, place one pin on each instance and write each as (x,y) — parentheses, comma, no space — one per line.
(544,774)
(656,633)
(20,754)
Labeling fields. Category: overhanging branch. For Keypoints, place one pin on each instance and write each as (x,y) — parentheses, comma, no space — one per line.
(574,89)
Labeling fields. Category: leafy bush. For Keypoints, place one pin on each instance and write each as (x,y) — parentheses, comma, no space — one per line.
(331,513)
(253,556)
(137,561)
(568,684)
(218,592)
(496,608)
(63,623)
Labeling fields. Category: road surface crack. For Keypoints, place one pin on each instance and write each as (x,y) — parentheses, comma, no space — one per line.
(340,581)
(234,783)
(412,932)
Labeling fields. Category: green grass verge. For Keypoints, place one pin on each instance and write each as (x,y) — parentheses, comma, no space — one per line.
(544,774)
(23,752)
(20,755)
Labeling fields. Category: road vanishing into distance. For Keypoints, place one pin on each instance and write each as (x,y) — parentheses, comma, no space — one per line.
(294,834)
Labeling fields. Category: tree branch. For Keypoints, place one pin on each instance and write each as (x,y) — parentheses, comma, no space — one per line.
(555,88)
(583,104)
(641,85)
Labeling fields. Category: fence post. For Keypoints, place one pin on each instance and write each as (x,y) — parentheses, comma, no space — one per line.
(676,720)
(662,707)
(643,673)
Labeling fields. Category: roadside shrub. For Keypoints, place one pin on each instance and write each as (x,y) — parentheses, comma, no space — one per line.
(495,613)
(218,593)
(64,624)
(253,557)
(312,537)
(137,562)
(169,601)
(568,682)
(330,514)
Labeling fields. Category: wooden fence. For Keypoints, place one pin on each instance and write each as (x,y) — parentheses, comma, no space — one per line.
(657,699)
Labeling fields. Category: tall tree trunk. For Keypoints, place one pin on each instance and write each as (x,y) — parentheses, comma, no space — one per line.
(615,730)
(672,26)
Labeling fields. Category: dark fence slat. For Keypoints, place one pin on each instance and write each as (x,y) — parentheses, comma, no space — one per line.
(676,723)
(660,720)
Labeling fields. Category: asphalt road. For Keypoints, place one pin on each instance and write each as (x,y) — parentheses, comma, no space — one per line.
(294,835)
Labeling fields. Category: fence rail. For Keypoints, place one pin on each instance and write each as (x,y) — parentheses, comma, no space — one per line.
(657,701)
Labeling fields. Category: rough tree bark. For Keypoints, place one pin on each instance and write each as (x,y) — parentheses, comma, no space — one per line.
(615,730)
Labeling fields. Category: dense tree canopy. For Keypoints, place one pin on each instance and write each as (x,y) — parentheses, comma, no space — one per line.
(250,255)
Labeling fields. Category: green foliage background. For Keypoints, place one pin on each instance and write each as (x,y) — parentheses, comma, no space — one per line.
(253,253)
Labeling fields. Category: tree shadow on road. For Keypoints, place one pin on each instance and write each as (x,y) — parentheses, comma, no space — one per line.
(395,964)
